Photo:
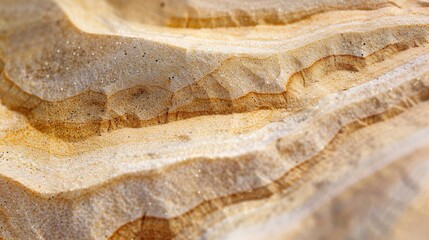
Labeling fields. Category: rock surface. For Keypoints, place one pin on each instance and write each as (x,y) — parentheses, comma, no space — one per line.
(202,119)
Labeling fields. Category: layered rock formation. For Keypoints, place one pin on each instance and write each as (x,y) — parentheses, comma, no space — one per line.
(217,119)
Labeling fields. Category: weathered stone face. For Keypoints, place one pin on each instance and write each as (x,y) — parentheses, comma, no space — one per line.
(263,119)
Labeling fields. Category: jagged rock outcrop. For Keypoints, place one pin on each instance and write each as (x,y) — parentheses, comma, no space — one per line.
(217,119)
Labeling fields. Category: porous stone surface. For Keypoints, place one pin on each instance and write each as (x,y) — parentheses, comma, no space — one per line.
(203,119)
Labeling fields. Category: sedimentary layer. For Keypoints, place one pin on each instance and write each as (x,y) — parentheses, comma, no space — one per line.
(213,119)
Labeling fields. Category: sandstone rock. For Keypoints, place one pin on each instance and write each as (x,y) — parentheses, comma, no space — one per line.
(201,119)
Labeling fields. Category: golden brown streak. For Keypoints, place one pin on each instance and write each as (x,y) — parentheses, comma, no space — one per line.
(268,17)
(159,228)
(79,196)
(247,103)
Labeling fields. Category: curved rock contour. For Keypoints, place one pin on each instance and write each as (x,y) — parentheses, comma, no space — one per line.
(217,119)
